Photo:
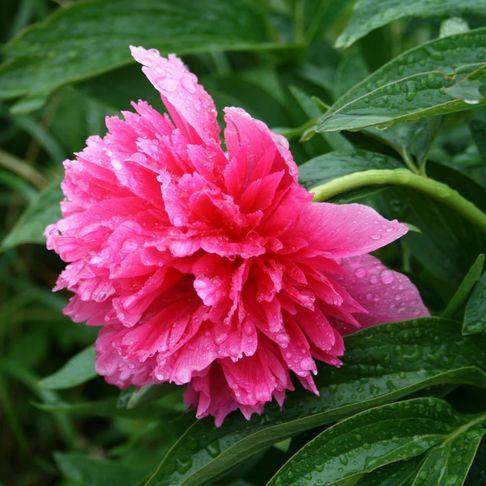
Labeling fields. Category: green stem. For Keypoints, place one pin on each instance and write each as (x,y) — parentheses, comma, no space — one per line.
(408,161)
(402,177)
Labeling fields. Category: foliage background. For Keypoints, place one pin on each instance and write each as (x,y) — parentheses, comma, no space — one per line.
(277,59)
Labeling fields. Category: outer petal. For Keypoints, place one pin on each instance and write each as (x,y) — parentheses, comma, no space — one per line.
(345,230)
(388,296)
(189,105)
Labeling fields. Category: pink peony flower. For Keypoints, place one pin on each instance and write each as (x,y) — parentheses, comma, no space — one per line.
(211,268)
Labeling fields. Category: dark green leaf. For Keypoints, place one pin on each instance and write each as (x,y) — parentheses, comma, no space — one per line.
(475,315)
(449,462)
(81,469)
(371,14)
(43,210)
(108,408)
(77,370)
(372,439)
(394,474)
(471,277)
(91,37)
(336,164)
(381,364)
(411,86)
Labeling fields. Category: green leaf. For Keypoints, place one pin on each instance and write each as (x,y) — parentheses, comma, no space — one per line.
(88,38)
(392,474)
(381,364)
(335,140)
(41,211)
(449,462)
(411,86)
(465,288)
(371,14)
(337,164)
(81,469)
(372,439)
(475,315)
(77,370)
(108,408)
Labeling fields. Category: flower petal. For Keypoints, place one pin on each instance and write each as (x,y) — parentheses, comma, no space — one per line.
(388,296)
(189,105)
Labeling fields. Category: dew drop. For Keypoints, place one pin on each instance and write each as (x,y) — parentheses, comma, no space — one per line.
(189,84)
(386,277)
(168,84)
(360,273)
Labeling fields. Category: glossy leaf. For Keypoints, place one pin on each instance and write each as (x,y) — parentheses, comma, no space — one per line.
(381,364)
(449,462)
(475,315)
(337,164)
(79,41)
(371,14)
(413,85)
(371,439)
(77,370)
(41,211)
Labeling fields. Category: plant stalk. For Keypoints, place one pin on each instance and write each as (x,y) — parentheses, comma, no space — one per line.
(403,177)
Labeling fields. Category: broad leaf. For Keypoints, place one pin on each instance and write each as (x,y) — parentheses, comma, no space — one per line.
(377,437)
(77,370)
(381,364)
(371,14)
(41,211)
(475,315)
(449,462)
(337,164)
(91,37)
(413,85)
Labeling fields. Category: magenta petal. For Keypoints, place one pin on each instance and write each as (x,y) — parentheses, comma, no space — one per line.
(388,296)
(346,230)
(209,266)
(191,108)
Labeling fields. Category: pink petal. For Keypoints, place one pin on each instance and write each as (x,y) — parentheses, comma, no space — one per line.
(346,230)
(189,105)
(388,296)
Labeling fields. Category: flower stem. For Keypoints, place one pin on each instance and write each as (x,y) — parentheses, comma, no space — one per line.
(403,177)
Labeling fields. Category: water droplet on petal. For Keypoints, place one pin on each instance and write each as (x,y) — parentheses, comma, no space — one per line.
(360,272)
(386,277)
(168,84)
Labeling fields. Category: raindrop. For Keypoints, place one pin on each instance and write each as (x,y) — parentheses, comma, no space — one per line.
(386,277)
(189,84)
(168,84)
(360,273)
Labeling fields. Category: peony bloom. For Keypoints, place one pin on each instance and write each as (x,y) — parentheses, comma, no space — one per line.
(212,267)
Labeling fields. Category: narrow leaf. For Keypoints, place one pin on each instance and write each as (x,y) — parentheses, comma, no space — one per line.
(41,211)
(475,315)
(465,288)
(77,370)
